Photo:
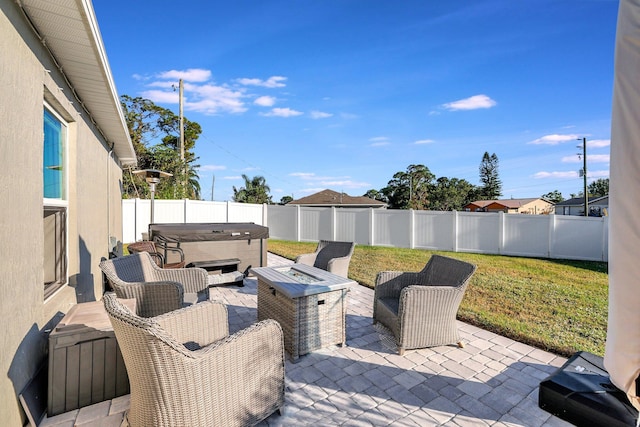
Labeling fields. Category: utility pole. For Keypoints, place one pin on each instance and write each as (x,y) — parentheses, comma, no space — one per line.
(583,172)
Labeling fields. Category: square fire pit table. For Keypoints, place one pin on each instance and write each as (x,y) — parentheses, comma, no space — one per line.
(309,303)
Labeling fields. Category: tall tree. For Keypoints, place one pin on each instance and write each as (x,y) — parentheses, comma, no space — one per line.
(375,195)
(255,190)
(285,199)
(154,132)
(452,194)
(554,196)
(410,189)
(491,185)
(599,187)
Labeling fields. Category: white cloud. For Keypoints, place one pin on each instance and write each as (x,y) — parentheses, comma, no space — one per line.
(591,158)
(566,174)
(271,82)
(282,112)
(191,75)
(379,141)
(336,182)
(472,103)
(424,141)
(598,143)
(347,183)
(434,113)
(231,177)
(303,175)
(320,115)
(160,96)
(206,98)
(554,139)
(598,174)
(265,101)
(212,99)
(212,167)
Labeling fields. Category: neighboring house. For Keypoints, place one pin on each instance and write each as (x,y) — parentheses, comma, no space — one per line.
(598,206)
(63,143)
(328,198)
(532,206)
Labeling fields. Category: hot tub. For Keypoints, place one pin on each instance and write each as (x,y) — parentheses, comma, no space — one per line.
(213,241)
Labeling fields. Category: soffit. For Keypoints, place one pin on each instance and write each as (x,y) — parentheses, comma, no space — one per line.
(69,29)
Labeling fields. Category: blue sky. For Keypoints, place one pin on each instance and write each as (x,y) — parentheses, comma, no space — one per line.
(342,94)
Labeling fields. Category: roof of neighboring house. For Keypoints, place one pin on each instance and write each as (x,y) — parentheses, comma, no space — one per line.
(507,203)
(73,39)
(333,198)
(579,201)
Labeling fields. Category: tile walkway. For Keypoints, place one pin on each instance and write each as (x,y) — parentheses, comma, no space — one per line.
(492,381)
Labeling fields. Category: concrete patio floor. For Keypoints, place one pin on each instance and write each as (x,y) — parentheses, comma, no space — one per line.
(492,381)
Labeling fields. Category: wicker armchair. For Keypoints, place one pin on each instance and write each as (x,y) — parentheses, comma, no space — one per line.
(156,290)
(331,256)
(185,370)
(159,257)
(420,308)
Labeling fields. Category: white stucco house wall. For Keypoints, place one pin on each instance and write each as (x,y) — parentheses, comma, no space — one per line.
(63,144)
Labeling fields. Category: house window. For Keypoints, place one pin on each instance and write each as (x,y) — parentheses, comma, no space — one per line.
(55,202)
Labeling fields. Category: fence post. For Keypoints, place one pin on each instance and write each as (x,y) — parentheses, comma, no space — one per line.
(228,208)
(412,231)
(297,223)
(552,233)
(265,214)
(500,232)
(185,210)
(455,231)
(333,223)
(605,227)
(371,227)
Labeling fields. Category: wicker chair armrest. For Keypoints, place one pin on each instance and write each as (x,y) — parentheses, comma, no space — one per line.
(202,323)
(390,283)
(307,259)
(153,298)
(193,279)
(339,265)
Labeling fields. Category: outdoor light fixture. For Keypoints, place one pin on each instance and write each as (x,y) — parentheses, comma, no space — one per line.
(152,176)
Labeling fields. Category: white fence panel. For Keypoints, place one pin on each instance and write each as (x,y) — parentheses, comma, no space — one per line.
(526,235)
(168,211)
(433,230)
(577,238)
(282,222)
(245,212)
(129,227)
(478,232)
(352,225)
(201,211)
(392,228)
(315,224)
(142,218)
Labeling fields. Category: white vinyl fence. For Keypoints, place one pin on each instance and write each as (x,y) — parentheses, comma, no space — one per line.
(544,236)
(136,214)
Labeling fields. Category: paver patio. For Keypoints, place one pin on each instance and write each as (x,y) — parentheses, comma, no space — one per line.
(492,381)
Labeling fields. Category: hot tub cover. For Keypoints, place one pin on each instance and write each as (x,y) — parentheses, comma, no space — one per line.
(212,231)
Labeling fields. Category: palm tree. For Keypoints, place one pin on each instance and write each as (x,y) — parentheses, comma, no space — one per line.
(255,190)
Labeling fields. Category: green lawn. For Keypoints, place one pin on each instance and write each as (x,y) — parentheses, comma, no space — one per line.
(556,305)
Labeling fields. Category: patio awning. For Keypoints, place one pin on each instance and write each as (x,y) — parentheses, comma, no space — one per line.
(622,352)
